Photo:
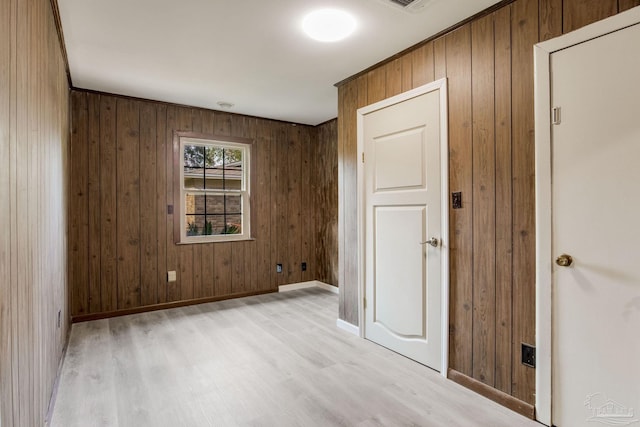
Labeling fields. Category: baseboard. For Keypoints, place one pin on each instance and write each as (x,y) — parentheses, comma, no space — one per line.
(497,396)
(309,284)
(163,306)
(348,327)
(56,382)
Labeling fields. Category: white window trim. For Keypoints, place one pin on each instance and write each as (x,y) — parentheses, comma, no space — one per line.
(245,192)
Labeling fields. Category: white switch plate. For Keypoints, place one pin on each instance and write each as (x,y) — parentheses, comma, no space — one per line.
(171,276)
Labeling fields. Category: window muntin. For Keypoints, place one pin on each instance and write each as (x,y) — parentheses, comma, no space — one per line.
(214,184)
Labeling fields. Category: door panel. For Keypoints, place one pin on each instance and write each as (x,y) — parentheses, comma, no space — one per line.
(398,303)
(405,148)
(402,202)
(595,213)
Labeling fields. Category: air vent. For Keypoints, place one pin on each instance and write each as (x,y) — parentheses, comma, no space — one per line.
(413,6)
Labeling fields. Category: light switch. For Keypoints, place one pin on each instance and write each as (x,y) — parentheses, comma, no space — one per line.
(171,276)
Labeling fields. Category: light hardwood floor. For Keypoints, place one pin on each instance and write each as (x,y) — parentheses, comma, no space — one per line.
(269,360)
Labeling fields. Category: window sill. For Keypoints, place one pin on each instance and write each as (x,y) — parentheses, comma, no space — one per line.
(225,240)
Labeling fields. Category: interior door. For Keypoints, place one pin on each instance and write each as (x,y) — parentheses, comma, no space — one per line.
(403,225)
(596,222)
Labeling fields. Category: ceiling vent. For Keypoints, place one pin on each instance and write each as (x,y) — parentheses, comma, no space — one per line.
(412,6)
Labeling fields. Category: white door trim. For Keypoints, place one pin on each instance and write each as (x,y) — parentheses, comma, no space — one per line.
(444,171)
(542,54)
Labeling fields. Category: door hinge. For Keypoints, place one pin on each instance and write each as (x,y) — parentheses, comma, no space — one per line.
(363,157)
(364,303)
(555,116)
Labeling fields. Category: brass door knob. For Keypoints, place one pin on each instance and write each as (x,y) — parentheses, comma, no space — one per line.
(564,260)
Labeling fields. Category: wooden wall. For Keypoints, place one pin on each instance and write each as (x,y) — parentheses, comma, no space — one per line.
(121,234)
(33,192)
(489,65)
(326,172)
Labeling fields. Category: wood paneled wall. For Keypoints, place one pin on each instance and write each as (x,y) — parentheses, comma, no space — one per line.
(121,235)
(489,65)
(326,171)
(33,189)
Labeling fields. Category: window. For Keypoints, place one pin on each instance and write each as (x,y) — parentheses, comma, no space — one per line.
(214,190)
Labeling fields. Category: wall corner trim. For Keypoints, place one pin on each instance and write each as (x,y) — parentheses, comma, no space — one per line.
(309,284)
(348,327)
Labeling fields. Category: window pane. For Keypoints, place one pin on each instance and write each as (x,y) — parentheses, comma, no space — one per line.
(234,224)
(215,204)
(194,167)
(194,204)
(195,225)
(215,178)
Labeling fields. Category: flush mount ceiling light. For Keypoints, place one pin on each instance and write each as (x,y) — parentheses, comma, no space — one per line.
(225,104)
(328,25)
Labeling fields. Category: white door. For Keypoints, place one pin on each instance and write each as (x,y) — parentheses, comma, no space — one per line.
(402,140)
(596,220)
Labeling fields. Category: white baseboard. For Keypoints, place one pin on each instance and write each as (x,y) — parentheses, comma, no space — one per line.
(310,284)
(346,326)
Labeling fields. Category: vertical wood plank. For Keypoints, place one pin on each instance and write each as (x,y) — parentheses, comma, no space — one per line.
(440,58)
(308,210)
(407,72)
(172,289)
(375,80)
(504,210)
(458,66)
(185,252)
(627,4)
(222,268)
(162,202)
(484,215)
(274,203)
(108,199)
(327,203)
(293,228)
(578,13)
(281,205)
(376,90)
(524,34)
(262,202)
(78,222)
(128,203)
(343,115)
(6,182)
(393,74)
(423,65)
(550,19)
(93,200)
(148,208)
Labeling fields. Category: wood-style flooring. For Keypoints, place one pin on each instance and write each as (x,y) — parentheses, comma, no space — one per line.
(269,360)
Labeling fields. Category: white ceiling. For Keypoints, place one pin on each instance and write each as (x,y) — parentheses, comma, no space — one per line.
(251,53)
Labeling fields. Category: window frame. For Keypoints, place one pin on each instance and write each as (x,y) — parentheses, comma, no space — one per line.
(179,192)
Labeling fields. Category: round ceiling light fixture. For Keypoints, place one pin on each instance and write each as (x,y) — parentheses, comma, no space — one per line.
(328,25)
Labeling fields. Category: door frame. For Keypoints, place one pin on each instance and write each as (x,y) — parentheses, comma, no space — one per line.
(544,300)
(441,85)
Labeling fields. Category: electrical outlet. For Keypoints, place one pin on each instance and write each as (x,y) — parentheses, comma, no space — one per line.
(456,200)
(303,266)
(528,355)
(171,276)
(278,268)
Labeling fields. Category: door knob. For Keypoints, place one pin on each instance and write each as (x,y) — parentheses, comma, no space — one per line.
(432,241)
(564,260)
